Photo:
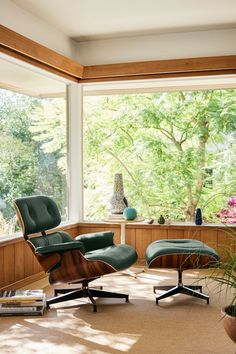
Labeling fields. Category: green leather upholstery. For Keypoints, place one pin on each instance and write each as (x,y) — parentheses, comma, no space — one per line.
(100,247)
(51,239)
(38,213)
(178,246)
(119,257)
(180,254)
(68,260)
(60,248)
(96,240)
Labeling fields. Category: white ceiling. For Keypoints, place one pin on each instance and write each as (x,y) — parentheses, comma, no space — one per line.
(99,19)
(23,78)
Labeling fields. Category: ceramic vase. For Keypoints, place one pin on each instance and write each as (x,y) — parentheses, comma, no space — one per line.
(130,213)
(161,220)
(198,217)
(118,201)
(229,323)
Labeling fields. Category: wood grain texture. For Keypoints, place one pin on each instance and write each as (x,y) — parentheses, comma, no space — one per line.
(39,53)
(192,233)
(18,262)
(37,64)
(9,265)
(159,76)
(157,67)
(182,261)
(75,267)
(2,279)
(143,239)
(139,236)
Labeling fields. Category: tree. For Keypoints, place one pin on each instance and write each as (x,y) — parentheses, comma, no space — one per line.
(165,144)
(32,150)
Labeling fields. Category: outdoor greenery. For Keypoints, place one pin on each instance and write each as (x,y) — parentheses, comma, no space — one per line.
(176,150)
(33,151)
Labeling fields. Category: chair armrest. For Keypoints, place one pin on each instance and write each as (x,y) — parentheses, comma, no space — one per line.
(96,240)
(61,248)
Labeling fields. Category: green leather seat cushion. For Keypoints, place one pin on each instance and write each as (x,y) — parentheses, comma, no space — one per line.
(178,246)
(119,257)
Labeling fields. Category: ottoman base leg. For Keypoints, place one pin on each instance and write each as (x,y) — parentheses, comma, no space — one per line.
(190,290)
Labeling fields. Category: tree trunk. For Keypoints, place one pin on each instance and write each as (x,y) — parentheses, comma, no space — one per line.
(193,201)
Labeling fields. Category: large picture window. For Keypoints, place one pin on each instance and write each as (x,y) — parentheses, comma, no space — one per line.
(176,151)
(32,140)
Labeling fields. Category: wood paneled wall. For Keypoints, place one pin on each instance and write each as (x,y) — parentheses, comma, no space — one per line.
(18,264)
(141,235)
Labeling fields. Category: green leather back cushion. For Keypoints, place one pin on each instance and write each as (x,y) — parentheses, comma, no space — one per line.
(51,239)
(96,240)
(38,213)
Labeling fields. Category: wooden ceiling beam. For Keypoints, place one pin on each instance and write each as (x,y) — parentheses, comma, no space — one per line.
(161,68)
(38,54)
(25,49)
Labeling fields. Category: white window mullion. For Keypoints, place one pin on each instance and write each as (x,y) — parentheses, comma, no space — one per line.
(75,152)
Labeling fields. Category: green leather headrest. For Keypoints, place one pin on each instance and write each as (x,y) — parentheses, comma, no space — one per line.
(37,213)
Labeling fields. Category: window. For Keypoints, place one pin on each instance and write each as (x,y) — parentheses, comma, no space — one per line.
(33,140)
(175,148)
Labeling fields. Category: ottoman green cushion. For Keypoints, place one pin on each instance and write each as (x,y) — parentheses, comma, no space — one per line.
(178,246)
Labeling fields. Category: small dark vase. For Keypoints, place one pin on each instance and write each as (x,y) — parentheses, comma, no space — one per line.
(161,220)
(198,217)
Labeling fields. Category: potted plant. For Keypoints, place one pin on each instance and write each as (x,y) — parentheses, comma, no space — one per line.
(225,275)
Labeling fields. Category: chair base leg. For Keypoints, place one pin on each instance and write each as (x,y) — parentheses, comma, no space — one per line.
(191,290)
(84,291)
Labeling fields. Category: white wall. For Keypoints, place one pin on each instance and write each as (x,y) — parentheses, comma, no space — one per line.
(154,47)
(30,26)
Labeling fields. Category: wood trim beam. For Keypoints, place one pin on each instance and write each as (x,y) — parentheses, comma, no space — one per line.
(33,62)
(161,68)
(37,53)
(159,76)
(25,49)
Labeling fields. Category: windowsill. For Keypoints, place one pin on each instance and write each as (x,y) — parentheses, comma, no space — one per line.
(180,224)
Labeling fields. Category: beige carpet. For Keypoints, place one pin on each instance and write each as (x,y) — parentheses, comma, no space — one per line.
(179,325)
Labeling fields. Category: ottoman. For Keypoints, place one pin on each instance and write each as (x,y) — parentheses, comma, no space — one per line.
(181,254)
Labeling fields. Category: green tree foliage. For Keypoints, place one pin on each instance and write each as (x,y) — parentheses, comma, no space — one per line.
(171,148)
(48,127)
(33,149)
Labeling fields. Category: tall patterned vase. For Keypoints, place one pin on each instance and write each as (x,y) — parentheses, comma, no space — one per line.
(118,201)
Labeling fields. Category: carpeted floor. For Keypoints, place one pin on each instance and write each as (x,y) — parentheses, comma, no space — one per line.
(179,325)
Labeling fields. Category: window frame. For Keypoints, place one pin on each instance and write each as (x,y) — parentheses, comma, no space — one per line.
(74,145)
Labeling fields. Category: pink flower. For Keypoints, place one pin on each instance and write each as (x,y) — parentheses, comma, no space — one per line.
(232,201)
(228,216)
(224,212)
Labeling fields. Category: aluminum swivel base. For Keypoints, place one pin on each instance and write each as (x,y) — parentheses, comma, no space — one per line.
(84,291)
(191,290)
